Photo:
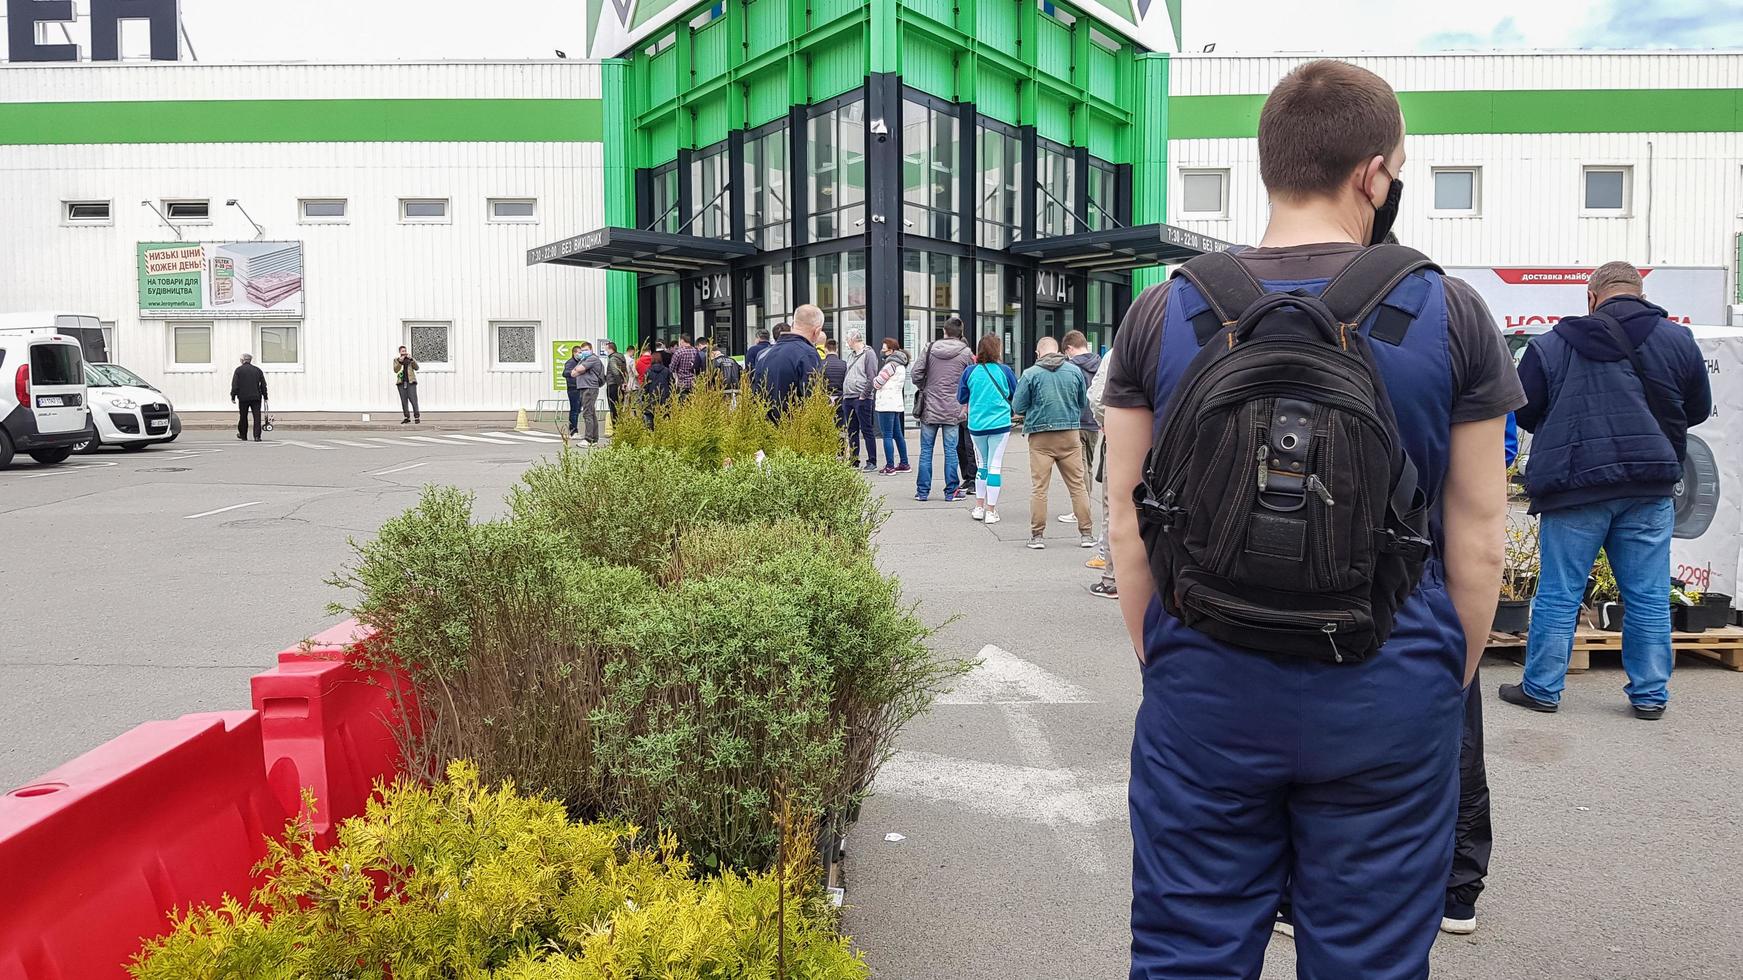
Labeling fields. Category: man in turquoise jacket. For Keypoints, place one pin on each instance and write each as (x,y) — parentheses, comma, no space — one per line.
(1051,397)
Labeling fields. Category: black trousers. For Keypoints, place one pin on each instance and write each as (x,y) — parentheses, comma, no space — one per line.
(243,407)
(613,395)
(965,460)
(1474,834)
(408,401)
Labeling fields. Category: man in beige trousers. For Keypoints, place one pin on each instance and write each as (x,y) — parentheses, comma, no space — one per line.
(1051,397)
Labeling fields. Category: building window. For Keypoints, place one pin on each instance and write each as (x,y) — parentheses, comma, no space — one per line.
(929,172)
(710,189)
(517,345)
(1456,190)
(1098,327)
(766,203)
(521,210)
(1103,213)
(321,210)
(776,303)
(836,143)
(427,342)
(108,328)
(189,211)
(423,210)
(86,213)
(279,343)
(997,310)
(838,288)
(1000,162)
(1608,190)
(931,294)
(190,345)
(1204,193)
(664,199)
(1056,188)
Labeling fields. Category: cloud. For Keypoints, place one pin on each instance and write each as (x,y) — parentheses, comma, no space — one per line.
(1661,24)
(1504,35)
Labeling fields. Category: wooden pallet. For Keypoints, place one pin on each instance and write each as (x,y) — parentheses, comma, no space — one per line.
(1722,646)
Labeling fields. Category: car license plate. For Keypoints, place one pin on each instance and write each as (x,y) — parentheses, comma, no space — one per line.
(50,401)
(160,423)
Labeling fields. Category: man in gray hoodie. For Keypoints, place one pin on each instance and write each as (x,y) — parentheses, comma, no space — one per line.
(1078,352)
(857,410)
(936,375)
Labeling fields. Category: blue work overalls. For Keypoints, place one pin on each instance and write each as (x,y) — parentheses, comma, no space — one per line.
(1249,769)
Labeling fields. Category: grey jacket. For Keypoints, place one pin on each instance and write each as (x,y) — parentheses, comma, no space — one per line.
(1089,362)
(936,372)
(862,370)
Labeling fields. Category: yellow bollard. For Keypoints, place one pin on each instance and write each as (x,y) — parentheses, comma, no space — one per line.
(520,421)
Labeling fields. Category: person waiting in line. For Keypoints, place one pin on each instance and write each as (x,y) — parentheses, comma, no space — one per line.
(1106,587)
(643,362)
(1052,397)
(785,372)
(584,374)
(987,388)
(834,373)
(1253,763)
(727,369)
(616,373)
(1078,352)
(686,363)
(858,401)
(248,390)
(757,349)
(405,379)
(890,403)
(1611,398)
(657,387)
(936,377)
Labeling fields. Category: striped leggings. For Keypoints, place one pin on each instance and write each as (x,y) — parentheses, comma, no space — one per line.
(990,450)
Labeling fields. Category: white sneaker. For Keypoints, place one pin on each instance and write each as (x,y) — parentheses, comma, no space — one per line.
(1068,518)
(1458,927)
(1036,544)
(992,517)
(1283,928)
(979,513)
(583,444)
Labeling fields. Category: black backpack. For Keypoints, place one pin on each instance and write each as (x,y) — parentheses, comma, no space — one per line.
(1278,508)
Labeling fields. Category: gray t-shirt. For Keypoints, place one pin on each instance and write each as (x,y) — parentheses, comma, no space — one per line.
(1484,384)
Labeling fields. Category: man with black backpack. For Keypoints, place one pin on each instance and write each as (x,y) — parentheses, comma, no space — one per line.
(1612,397)
(1308,500)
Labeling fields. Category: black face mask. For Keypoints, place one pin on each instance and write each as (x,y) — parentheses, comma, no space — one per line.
(1387,213)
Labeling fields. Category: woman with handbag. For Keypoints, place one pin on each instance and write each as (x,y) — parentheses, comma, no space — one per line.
(986,389)
(889,401)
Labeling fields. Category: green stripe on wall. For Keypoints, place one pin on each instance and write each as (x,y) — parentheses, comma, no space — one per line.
(303,121)
(1450,113)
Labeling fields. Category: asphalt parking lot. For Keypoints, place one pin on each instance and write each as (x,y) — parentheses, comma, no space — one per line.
(149,585)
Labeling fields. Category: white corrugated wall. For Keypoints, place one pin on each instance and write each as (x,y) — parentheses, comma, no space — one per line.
(1687,188)
(363,279)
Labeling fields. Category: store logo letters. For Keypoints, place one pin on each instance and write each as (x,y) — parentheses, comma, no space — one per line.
(22,16)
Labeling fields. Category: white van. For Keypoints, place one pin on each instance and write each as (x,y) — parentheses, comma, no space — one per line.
(42,397)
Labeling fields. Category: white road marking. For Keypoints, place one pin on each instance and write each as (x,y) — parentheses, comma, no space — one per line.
(1004,678)
(390,442)
(499,438)
(430,439)
(471,438)
(64,468)
(209,513)
(353,445)
(306,445)
(532,436)
(400,469)
(1046,796)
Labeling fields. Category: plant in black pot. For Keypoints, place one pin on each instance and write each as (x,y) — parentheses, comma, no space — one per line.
(1605,596)
(1695,611)
(1518,577)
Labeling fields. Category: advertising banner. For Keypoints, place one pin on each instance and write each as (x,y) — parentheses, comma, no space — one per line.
(1533,299)
(257,280)
(560,351)
(1709,500)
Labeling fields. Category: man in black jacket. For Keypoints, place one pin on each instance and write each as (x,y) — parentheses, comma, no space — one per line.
(247,390)
(787,370)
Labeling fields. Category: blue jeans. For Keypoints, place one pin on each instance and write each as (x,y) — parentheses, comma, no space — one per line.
(895,438)
(1636,535)
(928,434)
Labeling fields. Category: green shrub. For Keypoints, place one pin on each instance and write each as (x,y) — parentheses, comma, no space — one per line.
(711,427)
(456,880)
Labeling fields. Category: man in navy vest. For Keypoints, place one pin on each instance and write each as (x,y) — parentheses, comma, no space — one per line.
(1606,456)
(1251,769)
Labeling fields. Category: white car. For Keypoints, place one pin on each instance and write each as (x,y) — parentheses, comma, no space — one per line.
(42,396)
(128,410)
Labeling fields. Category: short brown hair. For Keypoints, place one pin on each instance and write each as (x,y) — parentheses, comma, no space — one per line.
(1321,120)
(1074,338)
(1616,279)
(991,349)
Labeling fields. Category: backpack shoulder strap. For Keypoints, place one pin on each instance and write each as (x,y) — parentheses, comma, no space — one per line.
(1225,284)
(1364,283)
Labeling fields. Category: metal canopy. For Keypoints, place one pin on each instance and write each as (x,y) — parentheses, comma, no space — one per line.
(635,250)
(1117,249)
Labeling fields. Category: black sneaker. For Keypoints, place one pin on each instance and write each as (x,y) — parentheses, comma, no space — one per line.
(1514,694)
(1649,712)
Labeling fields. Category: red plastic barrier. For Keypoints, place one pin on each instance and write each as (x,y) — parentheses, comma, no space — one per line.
(328,725)
(94,854)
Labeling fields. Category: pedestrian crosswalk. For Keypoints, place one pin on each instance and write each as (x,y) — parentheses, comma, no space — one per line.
(353,440)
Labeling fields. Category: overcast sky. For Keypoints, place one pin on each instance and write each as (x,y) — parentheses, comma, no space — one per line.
(386,30)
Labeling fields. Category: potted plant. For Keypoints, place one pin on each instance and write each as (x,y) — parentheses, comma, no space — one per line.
(1695,611)
(1518,578)
(1605,596)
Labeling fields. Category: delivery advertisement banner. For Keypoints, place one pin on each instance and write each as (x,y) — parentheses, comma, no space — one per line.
(1534,298)
(257,280)
(1709,500)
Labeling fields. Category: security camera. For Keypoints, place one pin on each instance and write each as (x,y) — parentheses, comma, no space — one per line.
(231,202)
